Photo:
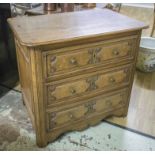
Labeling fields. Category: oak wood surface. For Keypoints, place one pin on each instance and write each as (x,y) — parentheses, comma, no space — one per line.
(88,85)
(25,79)
(88,108)
(86,56)
(118,73)
(92,55)
(39,107)
(48,29)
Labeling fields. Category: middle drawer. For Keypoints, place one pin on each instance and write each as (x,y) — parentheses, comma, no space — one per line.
(87,84)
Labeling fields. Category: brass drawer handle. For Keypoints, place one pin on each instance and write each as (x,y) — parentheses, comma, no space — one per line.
(73,91)
(116,52)
(71,116)
(109,103)
(112,80)
(73,61)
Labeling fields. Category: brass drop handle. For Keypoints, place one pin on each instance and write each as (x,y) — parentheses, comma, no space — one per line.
(73,61)
(73,91)
(109,103)
(71,116)
(112,80)
(116,52)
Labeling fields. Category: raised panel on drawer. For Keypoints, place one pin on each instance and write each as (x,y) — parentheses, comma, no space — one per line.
(64,61)
(57,92)
(86,109)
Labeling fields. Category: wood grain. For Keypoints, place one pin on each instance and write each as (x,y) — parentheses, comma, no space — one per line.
(41,37)
(49,29)
(88,85)
(88,108)
(88,56)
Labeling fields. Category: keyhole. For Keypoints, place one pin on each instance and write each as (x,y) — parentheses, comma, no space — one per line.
(94,57)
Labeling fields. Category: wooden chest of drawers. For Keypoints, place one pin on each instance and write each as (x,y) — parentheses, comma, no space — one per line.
(75,68)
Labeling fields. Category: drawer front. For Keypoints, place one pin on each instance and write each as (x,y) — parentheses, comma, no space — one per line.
(87,109)
(89,84)
(74,60)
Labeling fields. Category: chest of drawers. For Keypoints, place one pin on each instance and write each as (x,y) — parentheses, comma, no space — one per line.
(75,68)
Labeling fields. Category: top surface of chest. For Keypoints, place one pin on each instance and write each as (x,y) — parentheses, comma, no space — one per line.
(48,29)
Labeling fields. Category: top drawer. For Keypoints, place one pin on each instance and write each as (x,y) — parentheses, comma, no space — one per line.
(76,59)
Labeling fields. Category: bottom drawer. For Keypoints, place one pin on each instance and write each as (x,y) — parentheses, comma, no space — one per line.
(87,109)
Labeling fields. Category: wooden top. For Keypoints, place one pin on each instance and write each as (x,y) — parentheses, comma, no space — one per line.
(55,28)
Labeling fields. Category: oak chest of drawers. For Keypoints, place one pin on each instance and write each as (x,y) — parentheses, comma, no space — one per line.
(75,68)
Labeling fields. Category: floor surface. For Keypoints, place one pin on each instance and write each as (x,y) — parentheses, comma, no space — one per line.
(16,132)
(141,113)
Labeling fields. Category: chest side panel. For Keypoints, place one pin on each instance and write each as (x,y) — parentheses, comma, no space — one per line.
(25,76)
